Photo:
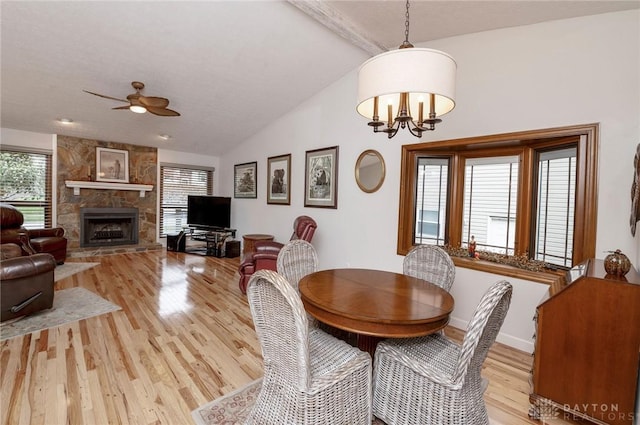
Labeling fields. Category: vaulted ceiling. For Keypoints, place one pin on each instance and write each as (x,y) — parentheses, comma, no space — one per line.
(228,67)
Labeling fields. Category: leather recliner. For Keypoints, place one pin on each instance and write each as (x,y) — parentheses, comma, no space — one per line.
(26,282)
(32,241)
(265,255)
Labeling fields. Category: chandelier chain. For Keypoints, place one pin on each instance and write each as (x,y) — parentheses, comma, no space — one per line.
(406,24)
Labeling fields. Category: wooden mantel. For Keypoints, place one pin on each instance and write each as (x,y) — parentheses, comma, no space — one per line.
(77,185)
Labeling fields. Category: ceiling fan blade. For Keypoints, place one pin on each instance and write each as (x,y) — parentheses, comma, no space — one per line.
(163,112)
(158,102)
(106,97)
(121,107)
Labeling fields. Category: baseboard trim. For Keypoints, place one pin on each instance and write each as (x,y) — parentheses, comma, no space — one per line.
(503,338)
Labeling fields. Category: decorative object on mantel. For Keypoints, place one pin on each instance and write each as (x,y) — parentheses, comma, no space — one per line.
(112,165)
(616,263)
(635,192)
(401,81)
(520,261)
(77,185)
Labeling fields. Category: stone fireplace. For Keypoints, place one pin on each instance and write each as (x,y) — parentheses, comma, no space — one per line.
(112,234)
(108,227)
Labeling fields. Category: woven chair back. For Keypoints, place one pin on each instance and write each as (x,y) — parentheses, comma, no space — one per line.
(483,329)
(296,260)
(430,263)
(282,328)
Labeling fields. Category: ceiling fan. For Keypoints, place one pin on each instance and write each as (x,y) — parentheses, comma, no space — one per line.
(141,104)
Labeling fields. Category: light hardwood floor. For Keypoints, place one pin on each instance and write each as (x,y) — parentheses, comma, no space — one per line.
(184,337)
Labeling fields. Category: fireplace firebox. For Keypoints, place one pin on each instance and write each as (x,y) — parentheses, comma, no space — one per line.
(108,226)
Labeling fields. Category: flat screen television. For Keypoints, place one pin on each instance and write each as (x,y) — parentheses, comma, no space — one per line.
(209,211)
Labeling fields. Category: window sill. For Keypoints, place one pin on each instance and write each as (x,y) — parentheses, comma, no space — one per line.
(553,278)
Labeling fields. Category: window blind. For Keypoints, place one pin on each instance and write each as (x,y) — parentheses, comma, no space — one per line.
(556,206)
(431,200)
(25,182)
(176,184)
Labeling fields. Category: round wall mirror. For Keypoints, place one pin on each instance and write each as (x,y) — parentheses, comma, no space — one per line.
(370,171)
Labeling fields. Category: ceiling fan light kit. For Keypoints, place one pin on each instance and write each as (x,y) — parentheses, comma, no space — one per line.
(137,109)
(141,104)
(399,83)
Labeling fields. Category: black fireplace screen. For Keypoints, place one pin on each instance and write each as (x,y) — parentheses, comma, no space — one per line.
(108,226)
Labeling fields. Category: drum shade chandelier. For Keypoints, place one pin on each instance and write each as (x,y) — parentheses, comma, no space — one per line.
(403,82)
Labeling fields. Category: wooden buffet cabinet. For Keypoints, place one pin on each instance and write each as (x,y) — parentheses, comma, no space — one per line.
(587,347)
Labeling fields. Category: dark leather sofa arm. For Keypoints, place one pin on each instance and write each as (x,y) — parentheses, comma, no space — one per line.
(10,250)
(19,237)
(57,232)
(33,265)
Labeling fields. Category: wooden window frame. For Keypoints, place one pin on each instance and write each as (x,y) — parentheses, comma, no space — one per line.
(526,144)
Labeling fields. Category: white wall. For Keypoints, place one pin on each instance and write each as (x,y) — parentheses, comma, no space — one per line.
(9,136)
(560,73)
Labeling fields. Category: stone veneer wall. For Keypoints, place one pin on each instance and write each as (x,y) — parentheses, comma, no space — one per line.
(77,157)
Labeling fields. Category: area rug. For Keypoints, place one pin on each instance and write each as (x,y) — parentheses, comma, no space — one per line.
(233,408)
(69,305)
(65,270)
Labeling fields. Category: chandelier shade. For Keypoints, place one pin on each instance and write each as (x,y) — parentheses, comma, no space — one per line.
(416,71)
(406,88)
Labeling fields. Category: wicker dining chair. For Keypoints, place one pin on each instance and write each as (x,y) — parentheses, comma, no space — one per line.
(310,377)
(430,263)
(297,259)
(432,380)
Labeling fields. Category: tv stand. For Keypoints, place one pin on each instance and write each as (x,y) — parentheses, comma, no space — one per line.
(214,238)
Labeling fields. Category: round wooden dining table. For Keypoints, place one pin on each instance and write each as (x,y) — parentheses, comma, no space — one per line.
(375,304)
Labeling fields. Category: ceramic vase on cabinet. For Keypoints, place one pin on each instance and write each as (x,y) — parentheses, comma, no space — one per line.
(616,263)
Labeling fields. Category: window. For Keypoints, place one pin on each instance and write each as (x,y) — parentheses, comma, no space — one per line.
(555,199)
(490,193)
(25,178)
(176,183)
(516,194)
(431,200)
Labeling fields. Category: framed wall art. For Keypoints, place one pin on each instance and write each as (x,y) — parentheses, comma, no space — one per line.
(245,180)
(321,178)
(112,165)
(279,180)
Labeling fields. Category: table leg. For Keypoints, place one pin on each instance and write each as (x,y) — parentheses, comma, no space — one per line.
(368,343)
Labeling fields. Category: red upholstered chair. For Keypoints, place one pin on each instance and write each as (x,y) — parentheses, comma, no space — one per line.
(265,255)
